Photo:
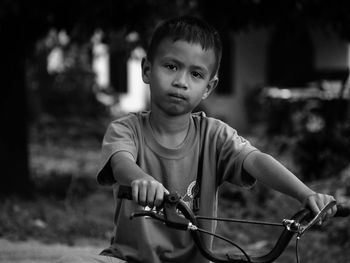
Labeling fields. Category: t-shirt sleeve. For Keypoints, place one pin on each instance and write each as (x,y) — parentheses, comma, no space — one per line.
(232,153)
(119,136)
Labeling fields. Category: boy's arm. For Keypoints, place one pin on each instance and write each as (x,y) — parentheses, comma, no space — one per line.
(273,174)
(145,189)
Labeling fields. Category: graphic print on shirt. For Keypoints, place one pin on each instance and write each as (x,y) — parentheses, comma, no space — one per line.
(192,191)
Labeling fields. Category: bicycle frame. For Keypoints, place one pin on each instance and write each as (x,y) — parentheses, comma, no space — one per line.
(173,203)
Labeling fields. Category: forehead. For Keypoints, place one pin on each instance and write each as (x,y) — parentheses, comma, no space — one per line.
(186,52)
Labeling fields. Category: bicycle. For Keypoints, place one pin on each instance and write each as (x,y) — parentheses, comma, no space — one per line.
(176,214)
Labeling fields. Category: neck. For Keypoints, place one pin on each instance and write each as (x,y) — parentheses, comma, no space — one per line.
(170,131)
(169,124)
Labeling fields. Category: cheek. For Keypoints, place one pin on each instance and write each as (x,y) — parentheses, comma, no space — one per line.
(161,79)
(200,88)
(158,85)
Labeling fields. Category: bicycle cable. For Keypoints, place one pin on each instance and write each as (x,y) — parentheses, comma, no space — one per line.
(224,239)
(240,221)
(297,249)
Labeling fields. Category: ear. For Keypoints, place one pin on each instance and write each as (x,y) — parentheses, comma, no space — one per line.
(210,87)
(146,70)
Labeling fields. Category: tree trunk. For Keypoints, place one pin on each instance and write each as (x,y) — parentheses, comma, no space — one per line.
(15,178)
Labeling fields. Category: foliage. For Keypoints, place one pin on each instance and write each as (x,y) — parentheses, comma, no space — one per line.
(64,87)
(242,15)
(323,154)
(314,132)
(72,95)
(53,220)
(67,147)
(64,155)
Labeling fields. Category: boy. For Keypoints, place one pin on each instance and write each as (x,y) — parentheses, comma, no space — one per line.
(163,149)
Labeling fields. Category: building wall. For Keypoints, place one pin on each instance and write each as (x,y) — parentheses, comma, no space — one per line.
(330,51)
(250,71)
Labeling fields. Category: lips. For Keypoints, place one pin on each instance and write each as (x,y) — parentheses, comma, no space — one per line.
(177,96)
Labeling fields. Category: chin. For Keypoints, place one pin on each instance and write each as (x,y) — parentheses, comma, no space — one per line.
(175,111)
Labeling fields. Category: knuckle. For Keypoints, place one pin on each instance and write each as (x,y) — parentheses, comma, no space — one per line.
(153,183)
(143,182)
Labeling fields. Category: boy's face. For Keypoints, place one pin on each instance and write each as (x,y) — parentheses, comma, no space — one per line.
(180,76)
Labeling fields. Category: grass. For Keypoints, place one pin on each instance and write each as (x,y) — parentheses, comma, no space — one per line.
(69,205)
(50,220)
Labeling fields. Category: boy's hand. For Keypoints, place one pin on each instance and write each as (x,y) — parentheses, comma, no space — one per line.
(317,201)
(148,192)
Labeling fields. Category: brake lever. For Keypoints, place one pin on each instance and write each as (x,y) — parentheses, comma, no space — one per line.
(170,216)
(145,213)
(303,228)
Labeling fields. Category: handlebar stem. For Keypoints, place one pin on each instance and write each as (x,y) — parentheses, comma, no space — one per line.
(291,225)
(171,216)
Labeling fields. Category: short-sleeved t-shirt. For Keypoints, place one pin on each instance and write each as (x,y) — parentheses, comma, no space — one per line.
(210,146)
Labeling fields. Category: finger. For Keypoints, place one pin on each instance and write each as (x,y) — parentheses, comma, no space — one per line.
(311,203)
(151,192)
(159,195)
(320,202)
(142,193)
(135,192)
(334,210)
(327,199)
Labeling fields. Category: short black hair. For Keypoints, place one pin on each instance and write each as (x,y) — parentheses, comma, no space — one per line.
(191,29)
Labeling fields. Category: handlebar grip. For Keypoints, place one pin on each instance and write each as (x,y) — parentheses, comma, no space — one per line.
(125,192)
(342,211)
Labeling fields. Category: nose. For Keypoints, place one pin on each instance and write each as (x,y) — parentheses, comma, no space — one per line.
(180,80)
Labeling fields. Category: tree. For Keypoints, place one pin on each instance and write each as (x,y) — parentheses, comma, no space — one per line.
(22,23)
(13,132)
(243,14)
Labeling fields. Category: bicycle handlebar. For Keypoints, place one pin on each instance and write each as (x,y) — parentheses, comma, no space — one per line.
(173,202)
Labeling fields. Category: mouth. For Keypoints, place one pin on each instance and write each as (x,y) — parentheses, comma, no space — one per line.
(177,96)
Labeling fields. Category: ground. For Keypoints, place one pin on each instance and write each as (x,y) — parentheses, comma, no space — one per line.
(31,251)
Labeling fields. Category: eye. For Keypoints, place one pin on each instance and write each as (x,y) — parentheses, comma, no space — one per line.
(197,74)
(170,67)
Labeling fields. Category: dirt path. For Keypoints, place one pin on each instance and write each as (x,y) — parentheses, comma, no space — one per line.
(33,251)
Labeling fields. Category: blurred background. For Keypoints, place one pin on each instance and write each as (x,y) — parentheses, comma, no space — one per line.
(70,67)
